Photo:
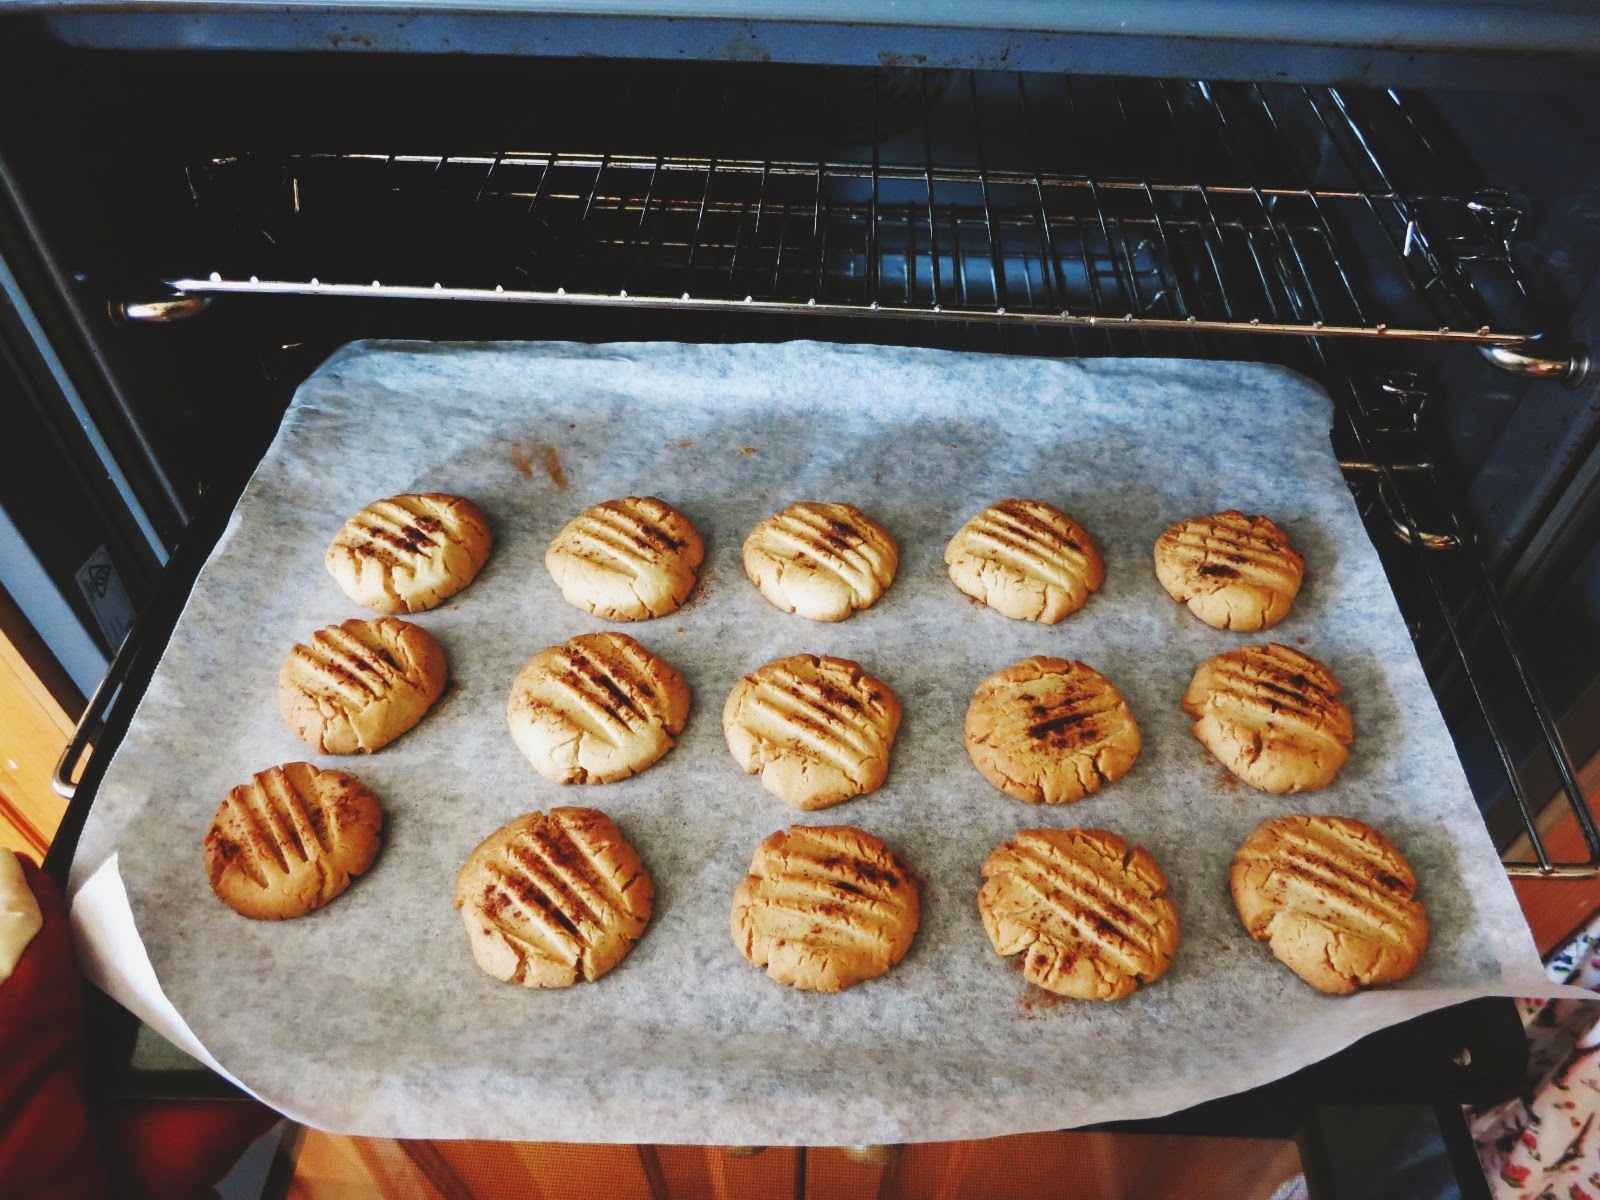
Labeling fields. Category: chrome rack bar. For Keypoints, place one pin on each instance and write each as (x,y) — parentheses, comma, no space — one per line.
(216,285)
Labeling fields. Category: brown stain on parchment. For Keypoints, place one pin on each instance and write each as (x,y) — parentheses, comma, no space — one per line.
(521,460)
(550,460)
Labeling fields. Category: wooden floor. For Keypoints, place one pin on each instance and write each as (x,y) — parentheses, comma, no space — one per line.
(38,709)
(1067,1166)
(1556,908)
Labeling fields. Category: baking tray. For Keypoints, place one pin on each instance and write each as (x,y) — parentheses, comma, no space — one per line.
(370,1017)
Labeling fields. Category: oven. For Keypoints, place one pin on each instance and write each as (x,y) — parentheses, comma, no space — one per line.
(198,206)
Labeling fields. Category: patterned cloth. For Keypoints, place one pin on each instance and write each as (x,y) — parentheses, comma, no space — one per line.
(1544,1144)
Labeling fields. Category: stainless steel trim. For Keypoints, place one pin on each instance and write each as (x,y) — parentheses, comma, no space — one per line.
(1524,359)
(1545,27)
(64,780)
(160,312)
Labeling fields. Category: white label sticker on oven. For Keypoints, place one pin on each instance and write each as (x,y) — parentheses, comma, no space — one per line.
(108,599)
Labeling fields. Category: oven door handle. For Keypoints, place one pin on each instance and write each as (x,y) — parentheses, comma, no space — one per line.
(64,782)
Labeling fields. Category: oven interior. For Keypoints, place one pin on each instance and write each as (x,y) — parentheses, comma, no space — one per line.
(204,228)
(219,223)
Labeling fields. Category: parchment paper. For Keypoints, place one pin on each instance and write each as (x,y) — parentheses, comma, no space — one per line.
(370,1016)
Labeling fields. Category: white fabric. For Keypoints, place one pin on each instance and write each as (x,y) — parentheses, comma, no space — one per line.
(1546,1141)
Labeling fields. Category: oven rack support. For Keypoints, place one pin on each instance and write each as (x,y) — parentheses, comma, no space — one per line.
(1009,203)
(1446,565)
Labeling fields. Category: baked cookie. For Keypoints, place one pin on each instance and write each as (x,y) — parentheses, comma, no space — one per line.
(1051,731)
(409,553)
(1025,560)
(817,730)
(549,900)
(359,685)
(825,907)
(1333,899)
(1087,912)
(1272,716)
(289,840)
(823,561)
(1233,571)
(626,560)
(596,709)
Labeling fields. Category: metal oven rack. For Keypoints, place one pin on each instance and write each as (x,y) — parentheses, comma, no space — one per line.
(992,231)
(993,211)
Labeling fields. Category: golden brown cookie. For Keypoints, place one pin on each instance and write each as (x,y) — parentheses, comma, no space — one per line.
(1088,912)
(825,907)
(549,900)
(823,561)
(357,686)
(1051,731)
(1272,716)
(1333,899)
(596,709)
(1025,560)
(409,553)
(1233,571)
(289,840)
(817,730)
(626,560)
